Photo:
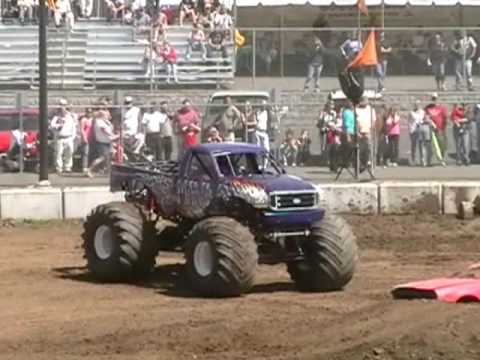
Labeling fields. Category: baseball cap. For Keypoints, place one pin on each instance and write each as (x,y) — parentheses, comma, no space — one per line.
(63,102)
(434,95)
(128,99)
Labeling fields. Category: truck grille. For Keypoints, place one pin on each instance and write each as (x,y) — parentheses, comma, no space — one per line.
(293,201)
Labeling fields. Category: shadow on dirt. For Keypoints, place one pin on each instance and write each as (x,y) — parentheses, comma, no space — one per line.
(166,279)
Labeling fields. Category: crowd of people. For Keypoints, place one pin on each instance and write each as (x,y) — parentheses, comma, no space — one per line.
(462,51)
(427,125)
(102,131)
(212,27)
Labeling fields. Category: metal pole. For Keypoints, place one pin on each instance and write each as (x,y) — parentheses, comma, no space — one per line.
(357,147)
(254,67)
(43,92)
(282,42)
(150,65)
(383,14)
(20,125)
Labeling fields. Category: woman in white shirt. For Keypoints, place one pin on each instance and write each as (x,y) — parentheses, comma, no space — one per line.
(104,135)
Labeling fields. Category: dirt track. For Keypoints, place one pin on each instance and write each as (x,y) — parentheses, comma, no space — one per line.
(51,309)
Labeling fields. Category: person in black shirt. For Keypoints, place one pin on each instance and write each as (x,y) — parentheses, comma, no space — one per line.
(187,9)
(383,51)
(437,58)
(216,42)
(315,65)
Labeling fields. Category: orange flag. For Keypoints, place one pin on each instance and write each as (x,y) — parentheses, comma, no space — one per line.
(368,55)
(362,6)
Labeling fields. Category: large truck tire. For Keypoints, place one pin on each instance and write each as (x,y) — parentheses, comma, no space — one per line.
(330,257)
(119,242)
(221,257)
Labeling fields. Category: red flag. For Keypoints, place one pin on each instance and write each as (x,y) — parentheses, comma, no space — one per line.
(368,55)
(362,6)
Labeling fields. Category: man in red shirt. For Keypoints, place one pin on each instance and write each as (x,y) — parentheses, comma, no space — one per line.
(188,126)
(461,134)
(438,114)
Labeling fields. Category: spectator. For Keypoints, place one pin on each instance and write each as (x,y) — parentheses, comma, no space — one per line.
(169,58)
(223,22)
(115,8)
(128,15)
(416,118)
(327,115)
(464,49)
(250,123)
(188,126)
(436,59)
(130,126)
(333,130)
(350,49)
(392,128)
(206,19)
(264,119)
(64,11)
(461,134)
(304,142)
(348,123)
(104,135)
(315,65)
(64,126)
(289,149)
(382,143)
(425,141)
(213,135)
(366,120)
(152,121)
(86,132)
(86,8)
(196,42)
(151,58)
(138,5)
(187,9)
(267,50)
(141,20)
(230,121)
(216,43)
(439,116)
(166,131)
(159,30)
(25,7)
(384,50)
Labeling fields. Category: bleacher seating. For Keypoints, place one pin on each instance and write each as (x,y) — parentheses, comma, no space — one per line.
(100,55)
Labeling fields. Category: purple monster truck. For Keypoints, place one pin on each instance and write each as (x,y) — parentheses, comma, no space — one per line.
(230,206)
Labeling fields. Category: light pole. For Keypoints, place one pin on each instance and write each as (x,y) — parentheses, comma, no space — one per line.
(43,92)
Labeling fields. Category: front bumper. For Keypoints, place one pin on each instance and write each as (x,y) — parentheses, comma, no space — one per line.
(275,221)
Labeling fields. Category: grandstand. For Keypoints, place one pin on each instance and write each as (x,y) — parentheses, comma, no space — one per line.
(101,55)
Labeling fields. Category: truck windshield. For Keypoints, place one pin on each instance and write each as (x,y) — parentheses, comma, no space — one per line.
(246,164)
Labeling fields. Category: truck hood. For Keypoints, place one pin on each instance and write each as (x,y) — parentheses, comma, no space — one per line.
(271,183)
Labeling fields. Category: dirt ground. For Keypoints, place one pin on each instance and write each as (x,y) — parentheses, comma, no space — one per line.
(50,308)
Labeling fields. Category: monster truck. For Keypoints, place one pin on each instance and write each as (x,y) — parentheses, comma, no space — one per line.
(233,207)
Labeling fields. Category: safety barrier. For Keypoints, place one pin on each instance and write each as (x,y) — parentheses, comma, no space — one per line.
(373,198)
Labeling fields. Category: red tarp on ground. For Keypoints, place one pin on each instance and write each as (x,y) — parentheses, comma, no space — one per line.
(450,290)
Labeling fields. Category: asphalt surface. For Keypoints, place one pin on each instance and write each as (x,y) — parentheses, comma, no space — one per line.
(314,174)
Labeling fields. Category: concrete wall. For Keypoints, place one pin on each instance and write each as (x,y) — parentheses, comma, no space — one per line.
(79,201)
(370,198)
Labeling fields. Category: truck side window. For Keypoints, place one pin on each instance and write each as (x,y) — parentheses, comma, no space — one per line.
(224,166)
(199,168)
